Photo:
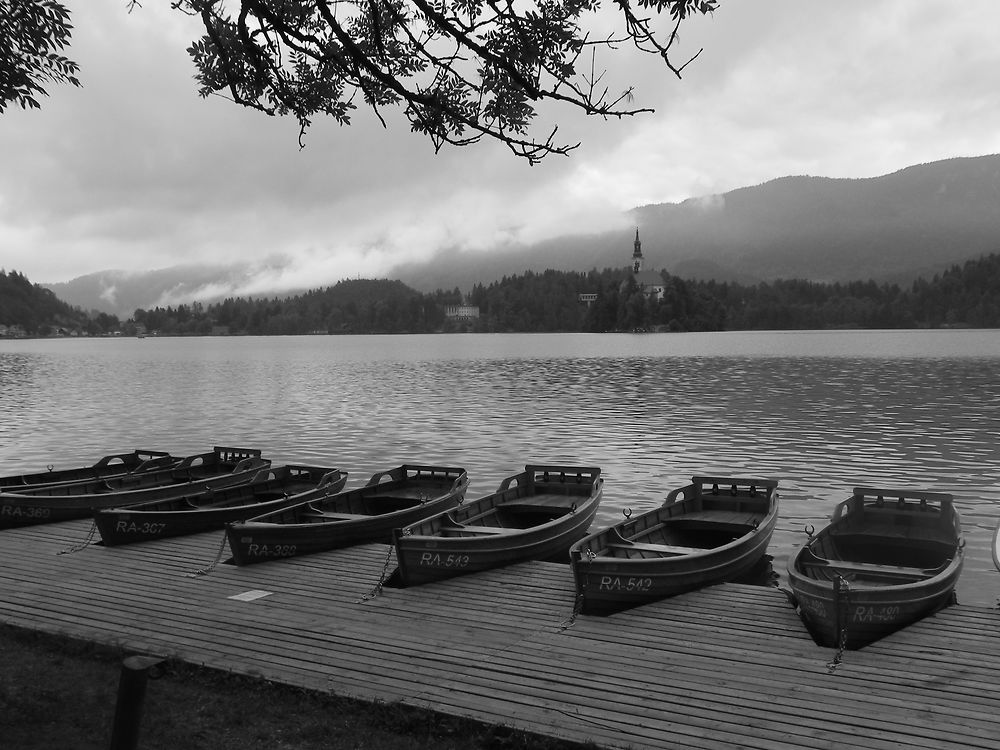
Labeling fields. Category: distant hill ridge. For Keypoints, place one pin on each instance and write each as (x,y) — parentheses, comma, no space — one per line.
(891,228)
(914,222)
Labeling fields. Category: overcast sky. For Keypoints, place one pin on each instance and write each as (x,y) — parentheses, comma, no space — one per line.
(134,171)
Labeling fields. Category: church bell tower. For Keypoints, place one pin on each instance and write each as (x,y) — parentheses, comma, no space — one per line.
(637,253)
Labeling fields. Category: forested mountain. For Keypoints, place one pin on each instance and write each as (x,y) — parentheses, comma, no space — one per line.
(356,306)
(31,309)
(894,228)
(121,293)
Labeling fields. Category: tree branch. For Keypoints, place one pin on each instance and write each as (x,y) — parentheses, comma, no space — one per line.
(463,72)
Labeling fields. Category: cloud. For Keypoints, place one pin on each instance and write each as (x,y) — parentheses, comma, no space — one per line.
(709,203)
(134,171)
(109,294)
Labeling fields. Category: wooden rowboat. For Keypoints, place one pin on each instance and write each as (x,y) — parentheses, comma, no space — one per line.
(391,499)
(534,515)
(136,462)
(713,530)
(887,559)
(269,490)
(61,502)
(996,547)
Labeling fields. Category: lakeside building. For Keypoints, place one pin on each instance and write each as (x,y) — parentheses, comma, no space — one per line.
(461,312)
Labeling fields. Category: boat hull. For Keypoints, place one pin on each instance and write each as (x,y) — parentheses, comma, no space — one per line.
(877,567)
(856,618)
(118,464)
(996,547)
(193,476)
(367,514)
(271,490)
(606,584)
(444,547)
(608,587)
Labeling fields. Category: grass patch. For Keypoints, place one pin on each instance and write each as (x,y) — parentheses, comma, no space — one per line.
(58,692)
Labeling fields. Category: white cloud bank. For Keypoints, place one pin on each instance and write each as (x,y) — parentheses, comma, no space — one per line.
(134,171)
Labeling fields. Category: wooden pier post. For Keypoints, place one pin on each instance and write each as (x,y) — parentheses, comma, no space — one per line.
(131,694)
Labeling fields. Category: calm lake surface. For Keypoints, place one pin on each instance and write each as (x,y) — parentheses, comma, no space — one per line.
(821,412)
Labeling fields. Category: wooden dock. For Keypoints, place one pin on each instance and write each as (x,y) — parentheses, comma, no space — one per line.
(727,667)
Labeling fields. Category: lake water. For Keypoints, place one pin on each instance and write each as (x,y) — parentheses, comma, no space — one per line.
(821,412)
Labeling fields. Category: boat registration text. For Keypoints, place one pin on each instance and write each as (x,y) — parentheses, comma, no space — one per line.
(624,583)
(437,560)
(131,527)
(270,550)
(875,614)
(860,614)
(19,511)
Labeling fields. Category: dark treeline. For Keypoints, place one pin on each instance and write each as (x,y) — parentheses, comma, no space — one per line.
(967,295)
(551,301)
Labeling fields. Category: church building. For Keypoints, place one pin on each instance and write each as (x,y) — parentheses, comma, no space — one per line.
(650,282)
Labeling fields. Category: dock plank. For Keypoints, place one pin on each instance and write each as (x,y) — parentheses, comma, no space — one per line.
(729,666)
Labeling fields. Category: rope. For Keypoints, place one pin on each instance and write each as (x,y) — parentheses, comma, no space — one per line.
(214,564)
(377,589)
(82,545)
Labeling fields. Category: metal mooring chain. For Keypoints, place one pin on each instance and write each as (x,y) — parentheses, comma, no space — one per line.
(843,589)
(577,609)
(578,602)
(82,545)
(382,578)
(214,564)
(842,646)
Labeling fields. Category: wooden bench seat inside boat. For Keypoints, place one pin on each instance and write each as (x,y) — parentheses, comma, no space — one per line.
(483,530)
(888,531)
(721,517)
(451,527)
(562,488)
(864,568)
(542,503)
(418,493)
(388,502)
(668,549)
(333,515)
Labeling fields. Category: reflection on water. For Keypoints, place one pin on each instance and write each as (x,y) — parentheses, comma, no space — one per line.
(821,412)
